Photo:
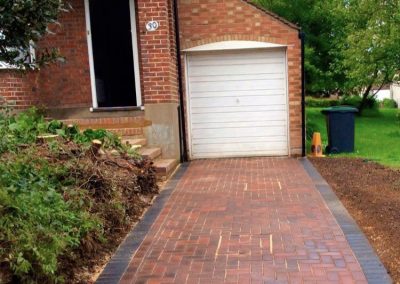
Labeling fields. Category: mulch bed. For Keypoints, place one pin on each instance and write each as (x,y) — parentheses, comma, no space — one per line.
(371,194)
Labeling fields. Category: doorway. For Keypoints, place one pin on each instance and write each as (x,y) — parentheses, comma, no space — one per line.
(113,44)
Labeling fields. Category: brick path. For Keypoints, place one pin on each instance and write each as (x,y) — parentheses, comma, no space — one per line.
(245,221)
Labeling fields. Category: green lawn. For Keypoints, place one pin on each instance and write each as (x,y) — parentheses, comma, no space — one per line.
(377,138)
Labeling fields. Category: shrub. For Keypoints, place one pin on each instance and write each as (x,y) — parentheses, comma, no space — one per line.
(36,223)
(354,101)
(26,126)
(314,102)
(58,202)
(389,103)
(371,107)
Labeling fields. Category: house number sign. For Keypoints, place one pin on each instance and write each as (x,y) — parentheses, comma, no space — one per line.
(152,26)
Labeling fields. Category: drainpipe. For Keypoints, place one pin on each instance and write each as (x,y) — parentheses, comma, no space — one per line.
(303,94)
(181,108)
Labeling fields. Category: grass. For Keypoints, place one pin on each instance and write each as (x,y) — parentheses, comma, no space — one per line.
(377,137)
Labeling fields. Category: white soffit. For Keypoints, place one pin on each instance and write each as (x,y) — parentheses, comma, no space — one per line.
(233,45)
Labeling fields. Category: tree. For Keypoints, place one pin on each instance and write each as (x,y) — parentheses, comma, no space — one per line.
(371,48)
(24,22)
(320,21)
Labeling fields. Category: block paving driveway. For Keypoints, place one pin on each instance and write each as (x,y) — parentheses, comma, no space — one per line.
(256,220)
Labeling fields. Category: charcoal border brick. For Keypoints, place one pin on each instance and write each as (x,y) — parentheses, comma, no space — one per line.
(118,264)
(373,268)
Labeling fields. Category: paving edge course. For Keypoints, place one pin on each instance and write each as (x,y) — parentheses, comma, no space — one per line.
(118,264)
(370,263)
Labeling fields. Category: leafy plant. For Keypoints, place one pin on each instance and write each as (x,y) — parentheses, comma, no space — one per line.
(314,102)
(36,223)
(23,23)
(389,103)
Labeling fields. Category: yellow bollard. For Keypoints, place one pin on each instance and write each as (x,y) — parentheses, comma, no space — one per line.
(316,147)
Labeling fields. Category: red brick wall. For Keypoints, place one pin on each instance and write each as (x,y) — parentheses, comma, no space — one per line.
(68,84)
(17,89)
(157,51)
(208,21)
(64,84)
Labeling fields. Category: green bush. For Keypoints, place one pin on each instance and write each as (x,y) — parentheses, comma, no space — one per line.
(54,198)
(371,107)
(17,130)
(388,103)
(36,223)
(354,101)
(314,102)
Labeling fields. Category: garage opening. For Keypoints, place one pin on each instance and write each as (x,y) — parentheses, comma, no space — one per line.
(238,103)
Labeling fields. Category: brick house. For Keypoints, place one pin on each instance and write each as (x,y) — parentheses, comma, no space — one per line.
(235,90)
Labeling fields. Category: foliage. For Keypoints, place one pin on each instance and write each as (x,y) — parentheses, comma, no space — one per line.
(24,128)
(314,102)
(36,224)
(59,203)
(321,25)
(374,139)
(389,103)
(351,46)
(370,48)
(23,22)
(356,101)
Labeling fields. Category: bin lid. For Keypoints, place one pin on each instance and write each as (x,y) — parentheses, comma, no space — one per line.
(340,109)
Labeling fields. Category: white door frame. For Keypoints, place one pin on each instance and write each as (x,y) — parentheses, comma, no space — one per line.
(135,49)
(187,55)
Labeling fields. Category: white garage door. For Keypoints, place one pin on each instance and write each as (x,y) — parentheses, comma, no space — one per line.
(238,103)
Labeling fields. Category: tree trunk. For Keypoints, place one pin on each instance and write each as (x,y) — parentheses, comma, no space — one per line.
(364,100)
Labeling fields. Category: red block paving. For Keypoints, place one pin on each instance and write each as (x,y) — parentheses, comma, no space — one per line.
(254,220)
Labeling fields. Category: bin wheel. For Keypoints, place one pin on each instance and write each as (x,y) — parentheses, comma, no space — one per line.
(334,150)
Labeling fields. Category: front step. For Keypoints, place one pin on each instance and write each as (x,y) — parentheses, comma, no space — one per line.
(150,153)
(121,126)
(165,167)
(134,141)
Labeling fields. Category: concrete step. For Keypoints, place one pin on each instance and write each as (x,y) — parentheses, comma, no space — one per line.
(122,132)
(165,167)
(150,153)
(134,141)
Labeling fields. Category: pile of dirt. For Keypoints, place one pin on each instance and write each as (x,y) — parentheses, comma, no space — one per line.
(371,193)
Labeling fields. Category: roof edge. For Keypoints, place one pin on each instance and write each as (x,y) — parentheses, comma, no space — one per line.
(272,14)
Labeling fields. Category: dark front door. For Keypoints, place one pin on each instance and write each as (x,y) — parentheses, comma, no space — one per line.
(112,52)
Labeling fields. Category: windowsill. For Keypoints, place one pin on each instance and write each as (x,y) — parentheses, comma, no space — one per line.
(112,109)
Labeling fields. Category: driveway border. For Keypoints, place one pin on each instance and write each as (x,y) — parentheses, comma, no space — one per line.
(370,263)
(118,264)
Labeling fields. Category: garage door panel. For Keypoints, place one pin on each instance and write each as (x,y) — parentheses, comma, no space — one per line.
(235,140)
(238,78)
(239,132)
(238,101)
(237,61)
(242,109)
(238,104)
(226,154)
(253,123)
(273,84)
(214,94)
(241,147)
(248,69)
(238,117)
(232,55)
